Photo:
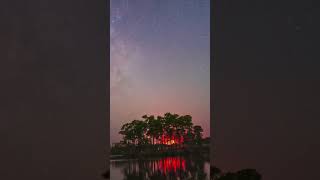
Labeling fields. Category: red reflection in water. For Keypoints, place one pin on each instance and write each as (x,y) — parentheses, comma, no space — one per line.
(171,164)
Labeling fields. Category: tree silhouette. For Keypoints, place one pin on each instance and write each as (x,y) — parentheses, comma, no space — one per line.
(155,129)
(127,130)
(198,134)
(139,131)
(171,129)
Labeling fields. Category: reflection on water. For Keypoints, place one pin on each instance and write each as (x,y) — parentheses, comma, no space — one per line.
(162,168)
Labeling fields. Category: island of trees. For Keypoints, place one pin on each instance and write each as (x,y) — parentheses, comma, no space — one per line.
(167,136)
(170,133)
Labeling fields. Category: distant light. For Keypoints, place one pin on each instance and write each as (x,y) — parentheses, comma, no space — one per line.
(170,142)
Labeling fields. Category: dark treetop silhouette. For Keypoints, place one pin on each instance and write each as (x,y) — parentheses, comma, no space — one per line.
(169,129)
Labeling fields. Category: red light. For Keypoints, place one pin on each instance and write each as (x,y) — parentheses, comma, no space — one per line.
(171,164)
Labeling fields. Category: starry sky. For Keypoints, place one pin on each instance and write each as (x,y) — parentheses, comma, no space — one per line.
(160,60)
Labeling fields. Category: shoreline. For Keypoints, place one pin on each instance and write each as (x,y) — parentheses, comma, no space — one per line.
(141,156)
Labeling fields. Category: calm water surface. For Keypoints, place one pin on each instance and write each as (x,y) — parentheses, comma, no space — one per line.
(161,168)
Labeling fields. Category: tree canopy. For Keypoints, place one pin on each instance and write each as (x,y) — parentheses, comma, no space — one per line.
(167,129)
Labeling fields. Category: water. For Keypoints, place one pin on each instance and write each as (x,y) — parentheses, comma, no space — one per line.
(166,168)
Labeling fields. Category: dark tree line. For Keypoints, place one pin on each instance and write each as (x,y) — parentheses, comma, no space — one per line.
(152,130)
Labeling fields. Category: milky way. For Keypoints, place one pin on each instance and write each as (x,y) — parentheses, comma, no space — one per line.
(160,60)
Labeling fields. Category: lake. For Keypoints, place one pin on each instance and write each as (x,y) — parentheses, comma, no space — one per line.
(167,168)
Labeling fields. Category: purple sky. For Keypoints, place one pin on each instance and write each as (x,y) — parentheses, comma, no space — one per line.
(160,58)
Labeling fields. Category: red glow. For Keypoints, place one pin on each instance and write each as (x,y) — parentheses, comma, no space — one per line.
(170,164)
(171,140)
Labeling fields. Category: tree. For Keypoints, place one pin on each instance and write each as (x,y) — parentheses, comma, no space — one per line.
(139,130)
(170,126)
(185,123)
(189,136)
(168,123)
(155,129)
(128,132)
(198,134)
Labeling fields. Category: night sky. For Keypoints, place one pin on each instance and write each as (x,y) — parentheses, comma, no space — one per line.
(160,60)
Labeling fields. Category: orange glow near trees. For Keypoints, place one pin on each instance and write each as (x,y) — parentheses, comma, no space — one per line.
(171,142)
